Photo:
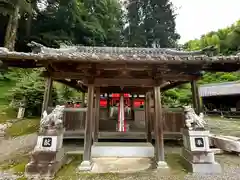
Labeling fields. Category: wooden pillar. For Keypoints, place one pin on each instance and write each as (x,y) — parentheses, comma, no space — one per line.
(148,117)
(88,125)
(132,107)
(82,115)
(108,105)
(83,100)
(47,94)
(97,111)
(159,143)
(195,97)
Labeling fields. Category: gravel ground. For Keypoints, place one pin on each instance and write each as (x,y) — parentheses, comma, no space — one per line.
(8,176)
(230,127)
(230,163)
(11,147)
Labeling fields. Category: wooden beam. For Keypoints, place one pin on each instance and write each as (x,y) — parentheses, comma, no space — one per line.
(99,82)
(128,89)
(73,84)
(131,67)
(172,85)
(82,76)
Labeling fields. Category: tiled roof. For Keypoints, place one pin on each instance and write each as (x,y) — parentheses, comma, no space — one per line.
(194,61)
(220,89)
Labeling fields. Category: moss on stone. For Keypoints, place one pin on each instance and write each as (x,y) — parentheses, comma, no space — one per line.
(174,162)
(23,127)
(69,171)
(20,168)
(16,164)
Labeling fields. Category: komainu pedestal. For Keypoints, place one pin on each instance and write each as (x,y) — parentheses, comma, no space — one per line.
(196,151)
(197,155)
(48,155)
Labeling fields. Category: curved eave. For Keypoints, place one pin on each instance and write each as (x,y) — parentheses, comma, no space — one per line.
(200,62)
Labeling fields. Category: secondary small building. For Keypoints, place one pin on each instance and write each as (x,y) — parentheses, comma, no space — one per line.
(221,98)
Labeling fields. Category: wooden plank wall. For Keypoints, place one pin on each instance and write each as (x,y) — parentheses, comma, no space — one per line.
(173,121)
(74,120)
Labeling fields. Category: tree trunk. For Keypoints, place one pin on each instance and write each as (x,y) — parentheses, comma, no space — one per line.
(29,24)
(12,28)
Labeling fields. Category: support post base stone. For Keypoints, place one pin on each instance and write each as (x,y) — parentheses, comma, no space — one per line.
(162,165)
(85,166)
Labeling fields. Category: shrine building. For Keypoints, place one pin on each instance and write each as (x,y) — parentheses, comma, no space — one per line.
(144,73)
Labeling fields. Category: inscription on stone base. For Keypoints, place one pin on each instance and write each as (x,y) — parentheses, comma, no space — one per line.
(46,143)
(199,142)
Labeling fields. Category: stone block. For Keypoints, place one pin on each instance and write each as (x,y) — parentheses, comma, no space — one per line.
(196,157)
(195,132)
(217,151)
(162,165)
(202,168)
(134,150)
(226,143)
(45,164)
(86,166)
(196,140)
(121,165)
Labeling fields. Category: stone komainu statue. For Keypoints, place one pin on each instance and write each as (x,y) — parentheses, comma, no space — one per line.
(52,120)
(192,120)
(44,163)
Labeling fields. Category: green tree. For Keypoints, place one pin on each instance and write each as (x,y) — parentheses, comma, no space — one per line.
(72,22)
(29,90)
(151,23)
(13,9)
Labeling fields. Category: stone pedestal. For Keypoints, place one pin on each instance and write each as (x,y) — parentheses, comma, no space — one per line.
(162,165)
(48,155)
(85,166)
(196,153)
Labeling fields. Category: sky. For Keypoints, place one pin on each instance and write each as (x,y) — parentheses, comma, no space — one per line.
(197,17)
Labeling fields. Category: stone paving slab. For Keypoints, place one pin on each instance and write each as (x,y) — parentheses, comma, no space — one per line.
(120,165)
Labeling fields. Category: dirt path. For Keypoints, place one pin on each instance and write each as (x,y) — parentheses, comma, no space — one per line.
(18,145)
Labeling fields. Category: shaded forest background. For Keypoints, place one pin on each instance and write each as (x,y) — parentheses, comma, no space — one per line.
(55,23)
